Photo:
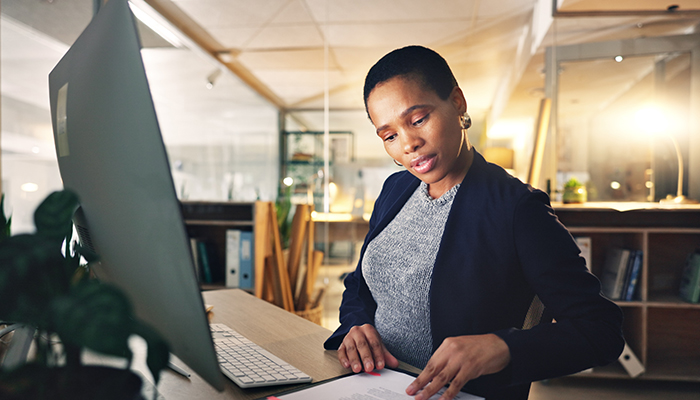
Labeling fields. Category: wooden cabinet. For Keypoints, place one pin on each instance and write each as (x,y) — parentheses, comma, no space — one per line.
(662,330)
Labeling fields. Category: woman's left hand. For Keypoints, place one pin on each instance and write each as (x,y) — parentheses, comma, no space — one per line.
(460,359)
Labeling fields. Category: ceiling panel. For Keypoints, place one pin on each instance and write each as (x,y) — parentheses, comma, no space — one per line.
(227,13)
(343,11)
(294,12)
(234,38)
(27,58)
(294,59)
(289,36)
(393,34)
(500,8)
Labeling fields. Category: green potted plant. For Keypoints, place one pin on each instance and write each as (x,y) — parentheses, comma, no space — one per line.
(44,285)
(574,192)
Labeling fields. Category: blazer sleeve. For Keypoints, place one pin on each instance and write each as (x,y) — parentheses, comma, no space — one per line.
(587,330)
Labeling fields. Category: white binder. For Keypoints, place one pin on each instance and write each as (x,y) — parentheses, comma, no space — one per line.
(233,243)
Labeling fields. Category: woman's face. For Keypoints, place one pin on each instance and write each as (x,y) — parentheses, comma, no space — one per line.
(422,131)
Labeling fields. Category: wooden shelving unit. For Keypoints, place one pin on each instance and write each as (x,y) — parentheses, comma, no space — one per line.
(209,221)
(662,330)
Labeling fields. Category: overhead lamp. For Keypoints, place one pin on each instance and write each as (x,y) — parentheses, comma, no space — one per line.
(619,58)
(213,77)
(648,119)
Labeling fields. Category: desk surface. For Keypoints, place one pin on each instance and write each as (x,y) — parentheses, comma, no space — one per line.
(292,338)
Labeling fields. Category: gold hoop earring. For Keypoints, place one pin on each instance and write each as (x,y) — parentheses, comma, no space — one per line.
(397,163)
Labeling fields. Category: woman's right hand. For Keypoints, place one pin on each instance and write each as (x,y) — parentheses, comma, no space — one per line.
(362,348)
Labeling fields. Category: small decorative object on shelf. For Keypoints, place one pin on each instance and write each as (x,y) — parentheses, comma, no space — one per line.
(574,192)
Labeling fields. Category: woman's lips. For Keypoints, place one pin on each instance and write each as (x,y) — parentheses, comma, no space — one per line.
(423,164)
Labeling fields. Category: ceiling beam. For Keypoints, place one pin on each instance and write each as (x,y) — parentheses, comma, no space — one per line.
(206,42)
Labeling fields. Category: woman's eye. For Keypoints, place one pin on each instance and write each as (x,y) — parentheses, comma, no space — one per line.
(389,138)
(420,121)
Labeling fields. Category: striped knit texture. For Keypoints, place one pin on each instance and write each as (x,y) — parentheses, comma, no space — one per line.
(398,266)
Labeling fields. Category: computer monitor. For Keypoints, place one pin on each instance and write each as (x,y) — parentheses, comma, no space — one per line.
(111,153)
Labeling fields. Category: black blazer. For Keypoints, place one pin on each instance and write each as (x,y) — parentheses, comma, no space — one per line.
(502,244)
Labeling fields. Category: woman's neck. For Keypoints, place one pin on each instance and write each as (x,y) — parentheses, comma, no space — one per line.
(461,167)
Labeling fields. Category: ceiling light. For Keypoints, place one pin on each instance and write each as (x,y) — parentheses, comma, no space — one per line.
(155,21)
(619,58)
(29,187)
(36,149)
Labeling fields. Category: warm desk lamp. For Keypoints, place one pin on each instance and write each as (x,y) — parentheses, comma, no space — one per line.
(658,118)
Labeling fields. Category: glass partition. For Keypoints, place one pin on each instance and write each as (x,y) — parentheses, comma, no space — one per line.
(621,117)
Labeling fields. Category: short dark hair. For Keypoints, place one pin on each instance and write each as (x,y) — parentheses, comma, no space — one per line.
(415,62)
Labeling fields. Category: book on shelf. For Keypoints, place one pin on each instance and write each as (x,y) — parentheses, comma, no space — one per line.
(204,261)
(195,258)
(614,272)
(634,266)
(690,280)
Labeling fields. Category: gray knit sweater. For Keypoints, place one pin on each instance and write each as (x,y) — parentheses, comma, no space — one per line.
(398,266)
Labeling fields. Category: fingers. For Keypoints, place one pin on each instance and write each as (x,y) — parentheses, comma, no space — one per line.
(362,349)
(390,360)
(459,359)
(432,380)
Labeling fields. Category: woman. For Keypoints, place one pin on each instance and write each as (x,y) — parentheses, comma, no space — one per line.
(455,253)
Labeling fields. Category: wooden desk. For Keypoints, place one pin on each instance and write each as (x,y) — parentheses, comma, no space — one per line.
(292,338)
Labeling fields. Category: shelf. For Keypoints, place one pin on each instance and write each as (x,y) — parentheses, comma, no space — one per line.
(673,369)
(633,303)
(614,370)
(659,370)
(207,222)
(314,163)
(670,301)
(661,329)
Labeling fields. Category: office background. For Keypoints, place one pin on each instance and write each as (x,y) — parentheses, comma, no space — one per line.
(230,77)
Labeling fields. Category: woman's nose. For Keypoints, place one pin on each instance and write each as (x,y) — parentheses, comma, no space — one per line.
(411,142)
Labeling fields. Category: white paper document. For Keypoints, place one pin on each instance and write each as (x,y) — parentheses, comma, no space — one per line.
(378,385)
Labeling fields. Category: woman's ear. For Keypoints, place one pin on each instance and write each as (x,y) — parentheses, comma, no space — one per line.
(458,100)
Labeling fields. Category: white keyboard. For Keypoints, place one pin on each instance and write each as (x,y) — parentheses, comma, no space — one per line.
(249,365)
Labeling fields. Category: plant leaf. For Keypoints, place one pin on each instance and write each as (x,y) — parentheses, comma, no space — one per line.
(53,217)
(30,276)
(97,316)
